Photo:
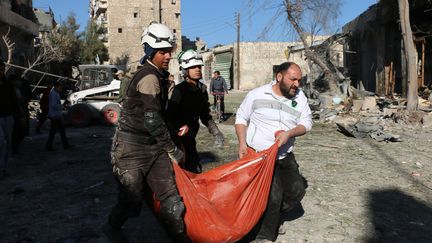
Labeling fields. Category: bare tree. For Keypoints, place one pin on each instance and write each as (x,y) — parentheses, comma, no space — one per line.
(308,18)
(46,53)
(410,54)
(10,45)
(319,13)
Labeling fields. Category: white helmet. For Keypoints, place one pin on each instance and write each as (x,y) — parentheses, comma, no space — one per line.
(158,36)
(190,58)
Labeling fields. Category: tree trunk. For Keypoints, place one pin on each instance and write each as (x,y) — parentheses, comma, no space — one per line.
(330,76)
(410,55)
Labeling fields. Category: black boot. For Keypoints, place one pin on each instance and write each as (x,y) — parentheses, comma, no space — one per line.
(171,214)
(114,235)
(113,228)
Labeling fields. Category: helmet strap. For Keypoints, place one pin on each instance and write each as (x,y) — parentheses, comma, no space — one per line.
(149,53)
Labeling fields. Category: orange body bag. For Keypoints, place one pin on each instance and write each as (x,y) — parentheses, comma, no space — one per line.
(225,203)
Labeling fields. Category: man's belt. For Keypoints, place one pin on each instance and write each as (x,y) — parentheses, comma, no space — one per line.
(134,138)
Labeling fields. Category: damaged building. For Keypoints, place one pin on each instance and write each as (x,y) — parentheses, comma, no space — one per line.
(124,22)
(374,53)
(256,62)
(18,24)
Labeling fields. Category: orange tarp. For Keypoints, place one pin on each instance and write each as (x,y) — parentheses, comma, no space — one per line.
(225,203)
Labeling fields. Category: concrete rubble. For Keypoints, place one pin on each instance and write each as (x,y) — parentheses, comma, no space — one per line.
(369,116)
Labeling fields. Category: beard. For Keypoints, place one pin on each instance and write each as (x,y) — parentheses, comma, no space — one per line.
(285,90)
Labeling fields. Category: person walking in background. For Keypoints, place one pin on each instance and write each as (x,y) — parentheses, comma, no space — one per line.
(187,106)
(124,82)
(9,107)
(218,88)
(43,104)
(55,114)
(276,112)
(22,118)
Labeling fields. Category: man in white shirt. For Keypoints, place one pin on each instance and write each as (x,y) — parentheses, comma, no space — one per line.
(278,106)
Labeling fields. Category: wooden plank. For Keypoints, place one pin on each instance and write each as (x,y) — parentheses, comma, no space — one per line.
(102,97)
(392,78)
(423,63)
(387,71)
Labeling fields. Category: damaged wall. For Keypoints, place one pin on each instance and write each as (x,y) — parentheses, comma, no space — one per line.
(374,55)
(18,22)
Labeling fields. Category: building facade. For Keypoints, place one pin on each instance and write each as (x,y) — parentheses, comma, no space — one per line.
(255,64)
(17,22)
(374,52)
(124,22)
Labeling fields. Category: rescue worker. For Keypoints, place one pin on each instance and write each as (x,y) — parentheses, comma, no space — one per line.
(189,104)
(143,151)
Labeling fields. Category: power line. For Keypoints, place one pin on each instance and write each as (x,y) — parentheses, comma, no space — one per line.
(205,24)
(208,21)
(214,31)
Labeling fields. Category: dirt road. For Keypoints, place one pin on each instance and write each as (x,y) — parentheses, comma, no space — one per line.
(359,190)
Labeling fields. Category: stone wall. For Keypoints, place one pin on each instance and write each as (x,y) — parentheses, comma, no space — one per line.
(126,21)
(257,60)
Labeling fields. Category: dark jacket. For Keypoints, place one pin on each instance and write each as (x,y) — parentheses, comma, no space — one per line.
(44,100)
(189,104)
(9,104)
(143,113)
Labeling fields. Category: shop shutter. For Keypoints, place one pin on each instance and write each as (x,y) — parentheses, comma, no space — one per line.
(223,64)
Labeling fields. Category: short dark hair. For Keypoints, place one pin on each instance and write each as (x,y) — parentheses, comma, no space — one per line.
(58,84)
(14,76)
(218,73)
(283,67)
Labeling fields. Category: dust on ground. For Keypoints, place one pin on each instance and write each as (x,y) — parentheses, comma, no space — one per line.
(359,190)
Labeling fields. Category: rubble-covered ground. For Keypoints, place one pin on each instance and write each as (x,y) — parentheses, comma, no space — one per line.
(360,190)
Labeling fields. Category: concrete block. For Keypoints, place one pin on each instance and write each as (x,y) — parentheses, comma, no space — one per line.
(369,104)
(357,105)
(427,120)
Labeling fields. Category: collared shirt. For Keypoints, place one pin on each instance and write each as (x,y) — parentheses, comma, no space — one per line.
(55,108)
(265,113)
(218,84)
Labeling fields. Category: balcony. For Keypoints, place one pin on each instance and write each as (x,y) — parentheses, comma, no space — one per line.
(18,21)
(100,7)
(103,37)
(101,20)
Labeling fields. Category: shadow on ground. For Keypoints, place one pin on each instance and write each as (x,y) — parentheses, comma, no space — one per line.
(398,217)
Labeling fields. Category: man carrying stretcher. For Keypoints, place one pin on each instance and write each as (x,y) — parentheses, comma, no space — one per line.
(277,106)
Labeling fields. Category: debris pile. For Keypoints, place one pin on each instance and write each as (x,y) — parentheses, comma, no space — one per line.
(368,115)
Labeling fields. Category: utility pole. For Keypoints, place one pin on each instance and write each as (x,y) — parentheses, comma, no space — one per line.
(160,11)
(238,52)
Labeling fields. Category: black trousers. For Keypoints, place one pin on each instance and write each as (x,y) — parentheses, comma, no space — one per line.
(287,190)
(139,168)
(41,120)
(18,134)
(191,163)
(57,127)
